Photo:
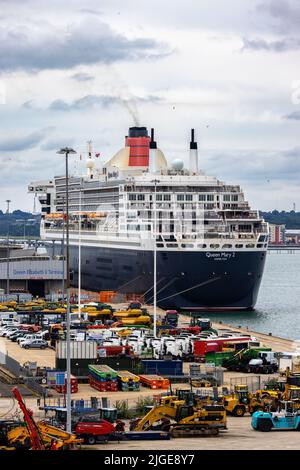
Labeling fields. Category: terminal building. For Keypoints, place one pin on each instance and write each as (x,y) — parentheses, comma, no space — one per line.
(32,271)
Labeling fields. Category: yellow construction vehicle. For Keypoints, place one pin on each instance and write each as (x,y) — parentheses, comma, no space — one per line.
(187,419)
(38,436)
(287,389)
(240,401)
(19,437)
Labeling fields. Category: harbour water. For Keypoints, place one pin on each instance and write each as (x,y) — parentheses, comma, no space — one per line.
(278,307)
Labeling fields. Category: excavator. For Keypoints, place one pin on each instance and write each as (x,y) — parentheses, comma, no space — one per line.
(38,436)
(187,418)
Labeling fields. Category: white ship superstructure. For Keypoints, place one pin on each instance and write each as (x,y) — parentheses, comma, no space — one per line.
(136,199)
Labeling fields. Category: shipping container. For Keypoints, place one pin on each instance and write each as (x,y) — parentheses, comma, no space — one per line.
(79,349)
(162,367)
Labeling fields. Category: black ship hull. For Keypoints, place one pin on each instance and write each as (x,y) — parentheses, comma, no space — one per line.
(185,280)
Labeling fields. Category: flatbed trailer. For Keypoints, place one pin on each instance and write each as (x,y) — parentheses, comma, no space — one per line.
(155,382)
(147,436)
(128,381)
(102,372)
(103,378)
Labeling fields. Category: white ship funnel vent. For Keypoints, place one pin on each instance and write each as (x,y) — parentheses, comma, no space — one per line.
(193,163)
(152,154)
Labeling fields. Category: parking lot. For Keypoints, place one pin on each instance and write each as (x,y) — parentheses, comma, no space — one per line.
(240,436)
(43,357)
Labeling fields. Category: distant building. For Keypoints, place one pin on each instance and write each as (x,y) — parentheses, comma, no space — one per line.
(292,236)
(277,234)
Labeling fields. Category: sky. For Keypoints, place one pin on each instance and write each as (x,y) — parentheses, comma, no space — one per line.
(74,71)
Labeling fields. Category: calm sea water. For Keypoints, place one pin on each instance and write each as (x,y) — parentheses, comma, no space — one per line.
(278,306)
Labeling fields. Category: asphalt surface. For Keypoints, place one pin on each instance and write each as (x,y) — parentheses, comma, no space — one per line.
(239,436)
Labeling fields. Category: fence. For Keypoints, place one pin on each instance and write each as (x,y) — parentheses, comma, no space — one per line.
(254,383)
(207,371)
(22,374)
(21,297)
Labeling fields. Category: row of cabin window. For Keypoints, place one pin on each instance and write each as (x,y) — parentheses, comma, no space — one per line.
(183,197)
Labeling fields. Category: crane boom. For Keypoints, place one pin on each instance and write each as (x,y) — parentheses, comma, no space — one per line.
(33,430)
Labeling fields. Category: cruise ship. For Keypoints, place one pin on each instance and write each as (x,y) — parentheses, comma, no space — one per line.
(210,246)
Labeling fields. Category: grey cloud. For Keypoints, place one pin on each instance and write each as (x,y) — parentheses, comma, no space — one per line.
(90,101)
(280,45)
(89,42)
(28,104)
(284,15)
(82,77)
(55,144)
(294,116)
(255,166)
(14,144)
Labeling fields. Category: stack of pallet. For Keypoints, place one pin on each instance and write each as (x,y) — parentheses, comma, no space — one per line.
(103,378)
(127,381)
(155,382)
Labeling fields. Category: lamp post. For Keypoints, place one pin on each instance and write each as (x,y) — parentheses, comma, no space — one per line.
(79,256)
(154,265)
(8,201)
(63,253)
(67,151)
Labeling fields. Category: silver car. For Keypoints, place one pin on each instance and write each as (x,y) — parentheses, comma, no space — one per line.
(34,343)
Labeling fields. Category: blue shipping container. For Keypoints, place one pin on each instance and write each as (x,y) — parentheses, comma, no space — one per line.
(162,367)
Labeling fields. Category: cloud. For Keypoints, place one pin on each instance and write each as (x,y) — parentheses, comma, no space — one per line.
(280,45)
(14,144)
(285,15)
(91,101)
(254,166)
(82,77)
(34,48)
(57,143)
(294,116)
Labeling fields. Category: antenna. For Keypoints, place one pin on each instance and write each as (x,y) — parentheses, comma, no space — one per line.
(8,201)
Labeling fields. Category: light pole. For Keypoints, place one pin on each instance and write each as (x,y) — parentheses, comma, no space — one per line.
(79,256)
(67,151)
(8,201)
(63,252)
(154,265)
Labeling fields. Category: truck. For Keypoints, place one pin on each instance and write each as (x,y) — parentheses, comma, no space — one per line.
(171,318)
(257,361)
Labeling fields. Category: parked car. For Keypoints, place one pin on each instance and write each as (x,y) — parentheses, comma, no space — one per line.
(34,343)
(17,334)
(25,338)
(5,330)
(11,332)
